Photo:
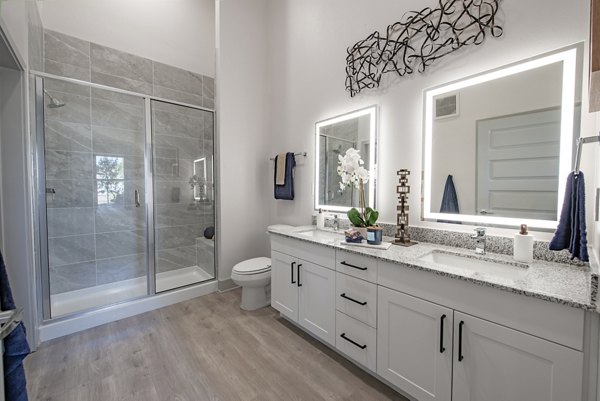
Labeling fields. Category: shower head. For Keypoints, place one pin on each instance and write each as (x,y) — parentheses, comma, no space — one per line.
(54,103)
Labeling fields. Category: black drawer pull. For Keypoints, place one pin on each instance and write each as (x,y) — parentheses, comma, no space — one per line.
(299,266)
(349,265)
(352,299)
(343,335)
(460,333)
(292,269)
(442,349)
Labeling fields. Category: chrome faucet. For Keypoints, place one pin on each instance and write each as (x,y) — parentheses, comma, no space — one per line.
(479,238)
(336,222)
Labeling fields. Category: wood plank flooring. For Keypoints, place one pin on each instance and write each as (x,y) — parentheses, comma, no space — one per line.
(203,349)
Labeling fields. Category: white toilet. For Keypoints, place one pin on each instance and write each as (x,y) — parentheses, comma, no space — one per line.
(254,276)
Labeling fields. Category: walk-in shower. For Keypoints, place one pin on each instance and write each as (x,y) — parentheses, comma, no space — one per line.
(125,195)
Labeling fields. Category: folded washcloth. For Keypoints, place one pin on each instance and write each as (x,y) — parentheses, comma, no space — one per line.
(571,232)
(280,169)
(16,347)
(286,191)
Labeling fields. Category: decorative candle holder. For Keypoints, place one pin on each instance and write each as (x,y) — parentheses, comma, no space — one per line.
(403,189)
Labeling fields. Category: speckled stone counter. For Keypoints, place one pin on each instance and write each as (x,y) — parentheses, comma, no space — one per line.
(567,284)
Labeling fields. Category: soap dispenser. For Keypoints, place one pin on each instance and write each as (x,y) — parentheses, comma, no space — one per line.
(320,220)
(523,245)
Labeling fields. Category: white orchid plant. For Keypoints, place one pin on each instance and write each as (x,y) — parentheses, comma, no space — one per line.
(353,173)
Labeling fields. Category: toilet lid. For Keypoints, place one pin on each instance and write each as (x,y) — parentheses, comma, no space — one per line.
(253,266)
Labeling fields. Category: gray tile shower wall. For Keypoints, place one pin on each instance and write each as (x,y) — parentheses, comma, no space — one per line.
(95,241)
(181,143)
(71,57)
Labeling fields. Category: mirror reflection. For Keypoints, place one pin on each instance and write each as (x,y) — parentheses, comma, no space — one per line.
(334,137)
(498,146)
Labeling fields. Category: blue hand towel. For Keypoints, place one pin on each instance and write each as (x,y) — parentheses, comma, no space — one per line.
(16,347)
(571,232)
(286,191)
(449,200)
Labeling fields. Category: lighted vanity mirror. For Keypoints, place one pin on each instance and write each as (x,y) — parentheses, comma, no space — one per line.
(333,137)
(504,139)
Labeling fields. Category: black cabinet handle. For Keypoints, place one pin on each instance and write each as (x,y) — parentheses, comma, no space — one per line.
(352,299)
(442,349)
(460,330)
(299,266)
(343,335)
(349,265)
(292,269)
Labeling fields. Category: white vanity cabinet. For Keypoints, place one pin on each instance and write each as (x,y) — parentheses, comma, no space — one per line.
(435,353)
(284,286)
(434,337)
(301,290)
(498,363)
(414,345)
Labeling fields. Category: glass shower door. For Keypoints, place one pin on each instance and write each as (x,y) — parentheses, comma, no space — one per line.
(184,213)
(94,142)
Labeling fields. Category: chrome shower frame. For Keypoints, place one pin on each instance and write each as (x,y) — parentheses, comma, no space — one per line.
(40,195)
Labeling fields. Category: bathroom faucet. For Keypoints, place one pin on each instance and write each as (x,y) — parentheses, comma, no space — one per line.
(479,238)
(336,222)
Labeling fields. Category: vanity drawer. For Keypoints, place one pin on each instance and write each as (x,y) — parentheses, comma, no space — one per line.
(356,298)
(356,340)
(363,267)
(318,254)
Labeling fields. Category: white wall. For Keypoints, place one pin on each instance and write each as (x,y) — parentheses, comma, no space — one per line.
(244,177)
(175,32)
(308,42)
(14,15)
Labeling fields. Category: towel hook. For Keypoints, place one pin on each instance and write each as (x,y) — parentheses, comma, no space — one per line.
(580,142)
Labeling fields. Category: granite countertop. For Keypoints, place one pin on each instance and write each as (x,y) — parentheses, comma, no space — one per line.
(571,285)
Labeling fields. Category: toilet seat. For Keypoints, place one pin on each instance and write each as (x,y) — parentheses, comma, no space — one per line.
(253,266)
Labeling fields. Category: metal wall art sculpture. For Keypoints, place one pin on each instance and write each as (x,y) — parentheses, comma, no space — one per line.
(419,40)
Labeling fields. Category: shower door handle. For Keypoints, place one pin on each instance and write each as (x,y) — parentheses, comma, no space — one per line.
(136,198)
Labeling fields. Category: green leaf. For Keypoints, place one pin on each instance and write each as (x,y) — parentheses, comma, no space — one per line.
(355,218)
(372,216)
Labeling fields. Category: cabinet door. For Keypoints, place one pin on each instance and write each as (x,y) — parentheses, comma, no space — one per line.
(495,363)
(414,345)
(284,287)
(317,300)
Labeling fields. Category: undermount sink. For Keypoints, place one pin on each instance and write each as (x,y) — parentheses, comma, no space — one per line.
(475,263)
(319,234)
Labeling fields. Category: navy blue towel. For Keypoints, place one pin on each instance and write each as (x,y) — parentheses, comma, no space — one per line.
(571,231)
(449,200)
(16,347)
(285,191)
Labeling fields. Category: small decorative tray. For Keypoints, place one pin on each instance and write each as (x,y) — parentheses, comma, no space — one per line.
(383,245)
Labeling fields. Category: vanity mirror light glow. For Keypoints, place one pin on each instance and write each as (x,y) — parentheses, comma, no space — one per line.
(568,58)
(320,192)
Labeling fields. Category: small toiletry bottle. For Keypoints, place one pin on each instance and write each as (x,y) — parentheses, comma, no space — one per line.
(523,246)
(320,220)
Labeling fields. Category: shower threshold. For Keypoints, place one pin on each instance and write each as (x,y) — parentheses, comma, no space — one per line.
(87,298)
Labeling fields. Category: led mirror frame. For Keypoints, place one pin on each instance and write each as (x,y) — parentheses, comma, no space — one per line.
(372,111)
(569,59)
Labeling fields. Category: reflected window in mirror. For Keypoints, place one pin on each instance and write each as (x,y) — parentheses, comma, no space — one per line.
(498,146)
(333,137)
